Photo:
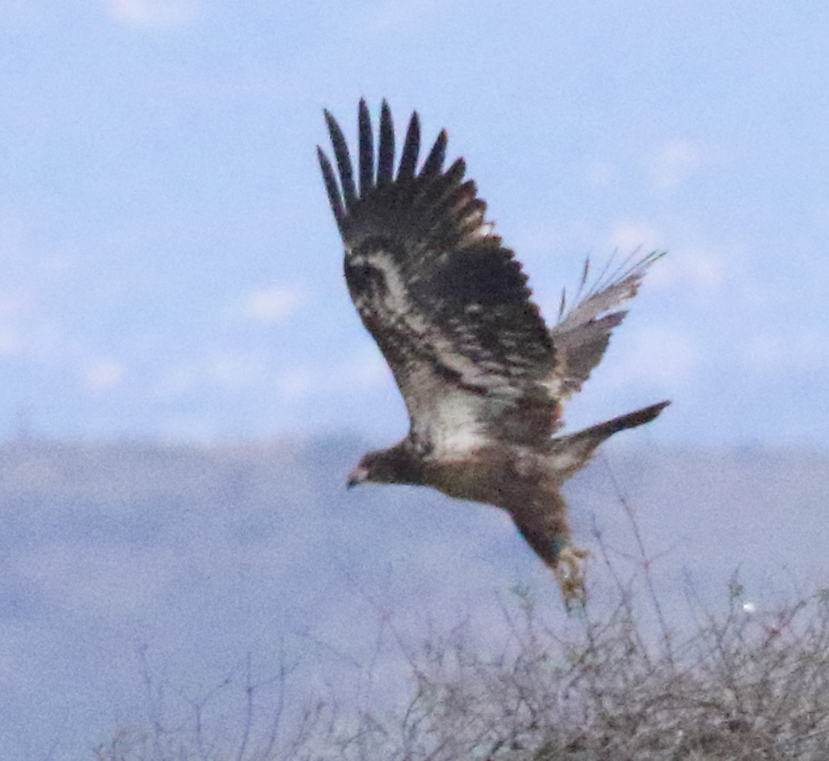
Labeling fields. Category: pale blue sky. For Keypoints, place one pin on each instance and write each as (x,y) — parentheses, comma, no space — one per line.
(169,266)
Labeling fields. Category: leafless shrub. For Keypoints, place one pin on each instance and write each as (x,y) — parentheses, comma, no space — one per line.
(597,686)
(742,687)
(240,719)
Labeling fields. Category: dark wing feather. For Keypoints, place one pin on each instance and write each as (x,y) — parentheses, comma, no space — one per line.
(367,155)
(331,186)
(411,148)
(343,160)
(385,162)
(434,161)
(446,302)
(583,332)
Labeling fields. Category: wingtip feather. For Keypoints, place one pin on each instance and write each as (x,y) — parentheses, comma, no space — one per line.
(366,150)
(411,149)
(434,161)
(343,159)
(385,161)
(331,187)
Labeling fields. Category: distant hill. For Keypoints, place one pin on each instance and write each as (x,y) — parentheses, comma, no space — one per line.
(202,555)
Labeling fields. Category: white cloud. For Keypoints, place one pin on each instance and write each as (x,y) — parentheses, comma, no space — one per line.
(659,355)
(633,236)
(228,370)
(600,174)
(364,370)
(271,305)
(177,381)
(164,14)
(236,370)
(781,353)
(103,374)
(297,383)
(398,14)
(673,163)
(694,270)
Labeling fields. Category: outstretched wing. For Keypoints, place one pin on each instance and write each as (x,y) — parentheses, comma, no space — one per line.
(446,302)
(582,333)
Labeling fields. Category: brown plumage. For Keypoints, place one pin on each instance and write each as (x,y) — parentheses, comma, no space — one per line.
(482,376)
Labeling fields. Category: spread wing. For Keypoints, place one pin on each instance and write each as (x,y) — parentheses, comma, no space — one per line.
(582,333)
(446,302)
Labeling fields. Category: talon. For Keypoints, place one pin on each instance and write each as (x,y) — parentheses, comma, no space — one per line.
(570,575)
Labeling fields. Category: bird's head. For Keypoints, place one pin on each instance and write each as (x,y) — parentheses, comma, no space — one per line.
(385,466)
(360,474)
(375,466)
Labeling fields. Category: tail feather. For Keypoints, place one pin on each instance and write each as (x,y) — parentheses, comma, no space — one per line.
(631,420)
(570,453)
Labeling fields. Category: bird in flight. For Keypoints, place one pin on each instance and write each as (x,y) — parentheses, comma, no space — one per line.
(483,377)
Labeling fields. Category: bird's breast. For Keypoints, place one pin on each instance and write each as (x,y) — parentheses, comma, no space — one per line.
(493,477)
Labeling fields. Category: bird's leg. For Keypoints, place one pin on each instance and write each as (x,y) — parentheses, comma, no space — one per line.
(542,520)
(570,575)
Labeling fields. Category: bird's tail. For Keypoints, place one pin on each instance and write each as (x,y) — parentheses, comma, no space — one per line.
(570,453)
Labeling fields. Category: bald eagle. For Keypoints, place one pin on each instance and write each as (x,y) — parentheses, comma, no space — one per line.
(482,376)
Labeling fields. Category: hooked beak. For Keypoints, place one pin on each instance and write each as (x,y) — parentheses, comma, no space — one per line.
(357,476)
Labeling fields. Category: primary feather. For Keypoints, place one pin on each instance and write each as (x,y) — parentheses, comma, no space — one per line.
(448,305)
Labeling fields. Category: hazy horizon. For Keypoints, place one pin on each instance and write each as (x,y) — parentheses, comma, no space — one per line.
(200,557)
